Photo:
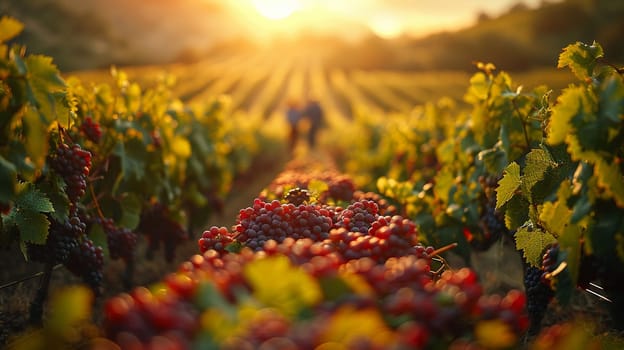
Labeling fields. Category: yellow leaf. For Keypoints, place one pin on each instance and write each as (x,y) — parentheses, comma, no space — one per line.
(9,28)
(277,283)
(181,147)
(494,334)
(340,328)
(70,308)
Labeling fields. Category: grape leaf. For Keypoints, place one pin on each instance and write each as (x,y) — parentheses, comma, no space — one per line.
(611,100)
(133,155)
(516,212)
(538,161)
(532,241)
(31,199)
(494,159)
(36,138)
(508,185)
(563,284)
(33,226)
(555,216)
(8,179)
(570,104)
(9,28)
(581,58)
(570,242)
(611,180)
(130,211)
(46,90)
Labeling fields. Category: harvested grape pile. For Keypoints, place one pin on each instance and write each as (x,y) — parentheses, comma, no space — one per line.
(301,270)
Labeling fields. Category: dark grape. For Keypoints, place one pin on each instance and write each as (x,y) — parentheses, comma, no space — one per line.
(121,241)
(87,262)
(297,196)
(538,296)
(159,228)
(91,129)
(62,238)
(73,164)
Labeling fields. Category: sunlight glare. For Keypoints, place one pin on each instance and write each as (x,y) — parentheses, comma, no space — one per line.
(386,26)
(276,9)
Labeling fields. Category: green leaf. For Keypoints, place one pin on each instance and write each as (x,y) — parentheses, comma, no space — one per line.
(563,284)
(8,180)
(33,226)
(555,216)
(54,191)
(611,180)
(46,90)
(571,104)
(611,100)
(130,211)
(36,138)
(508,185)
(133,155)
(538,161)
(570,242)
(532,241)
(516,212)
(494,159)
(581,58)
(9,28)
(31,199)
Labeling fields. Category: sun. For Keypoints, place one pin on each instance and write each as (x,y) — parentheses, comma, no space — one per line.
(276,9)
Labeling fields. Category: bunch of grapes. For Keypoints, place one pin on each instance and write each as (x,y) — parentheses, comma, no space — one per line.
(414,308)
(266,221)
(63,238)
(158,226)
(121,241)
(91,129)
(385,208)
(491,221)
(358,216)
(73,164)
(297,196)
(538,294)
(387,237)
(217,238)
(86,261)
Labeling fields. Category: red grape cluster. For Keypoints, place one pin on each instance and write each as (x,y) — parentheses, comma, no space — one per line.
(275,221)
(73,165)
(217,238)
(91,129)
(158,226)
(387,237)
(340,187)
(385,208)
(419,310)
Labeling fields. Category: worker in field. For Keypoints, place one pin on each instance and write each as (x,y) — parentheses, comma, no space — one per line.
(315,115)
(293,116)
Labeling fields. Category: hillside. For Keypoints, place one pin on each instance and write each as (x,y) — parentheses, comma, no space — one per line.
(97,34)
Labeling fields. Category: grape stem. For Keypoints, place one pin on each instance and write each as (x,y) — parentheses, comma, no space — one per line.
(444,249)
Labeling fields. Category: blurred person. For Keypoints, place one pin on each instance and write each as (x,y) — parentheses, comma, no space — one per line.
(315,115)
(293,116)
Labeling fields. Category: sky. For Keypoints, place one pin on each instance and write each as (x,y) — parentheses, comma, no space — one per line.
(387,18)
